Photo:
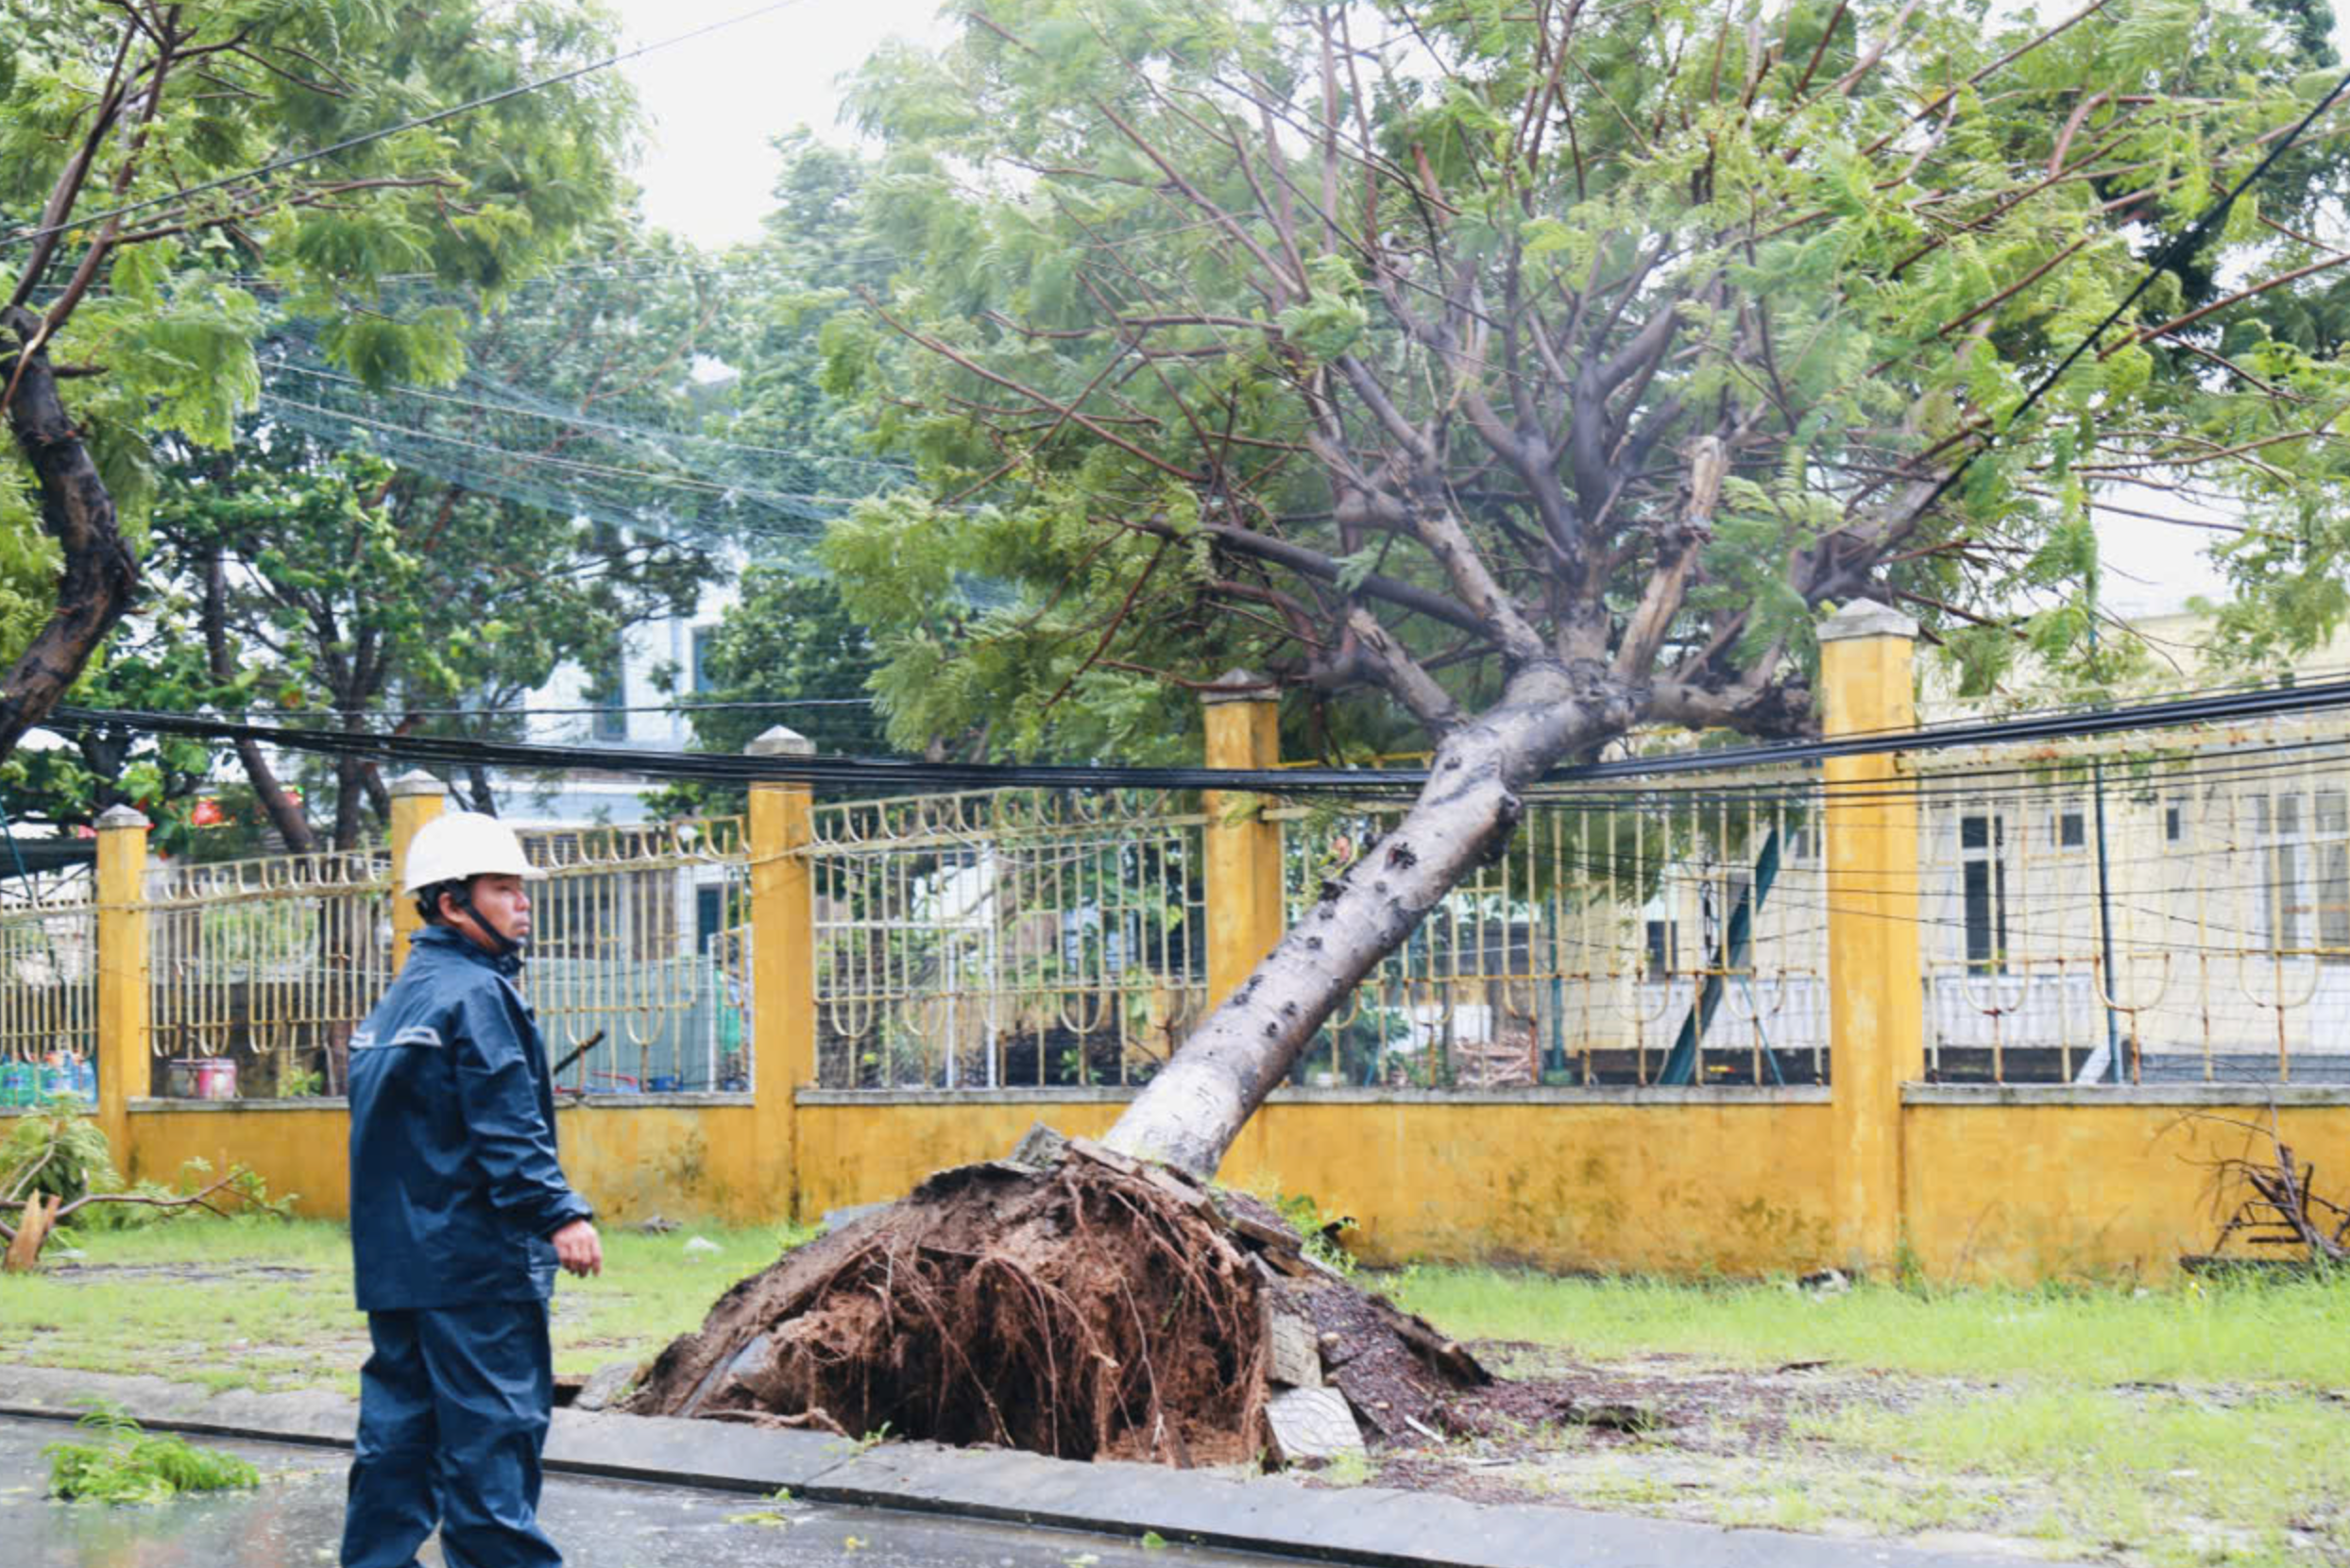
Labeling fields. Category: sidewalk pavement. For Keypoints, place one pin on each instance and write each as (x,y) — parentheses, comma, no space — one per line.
(1369,1525)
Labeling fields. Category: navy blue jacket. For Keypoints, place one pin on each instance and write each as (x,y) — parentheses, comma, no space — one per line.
(455,1186)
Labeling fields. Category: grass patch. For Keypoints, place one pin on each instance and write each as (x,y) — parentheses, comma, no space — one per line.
(2251,1330)
(2200,1423)
(267,1305)
(2172,1477)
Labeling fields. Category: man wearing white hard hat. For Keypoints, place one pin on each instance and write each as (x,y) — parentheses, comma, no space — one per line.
(459,1217)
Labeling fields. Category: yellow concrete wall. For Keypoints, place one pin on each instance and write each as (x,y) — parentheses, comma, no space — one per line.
(305,1152)
(1683,1186)
(682,1162)
(866,1153)
(2012,1184)
(686,1162)
(2023,1192)
(1703,1185)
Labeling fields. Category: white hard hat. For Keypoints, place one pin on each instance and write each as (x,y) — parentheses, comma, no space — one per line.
(459,844)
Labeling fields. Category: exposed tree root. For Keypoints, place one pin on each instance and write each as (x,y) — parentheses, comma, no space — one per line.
(1068,1301)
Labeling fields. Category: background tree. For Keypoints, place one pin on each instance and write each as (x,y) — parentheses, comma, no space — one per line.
(155,662)
(784,653)
(787,637)
(1544,370)
(133,222)
(338,586)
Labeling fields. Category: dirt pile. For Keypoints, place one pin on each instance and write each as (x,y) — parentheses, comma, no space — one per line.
(1066,1300)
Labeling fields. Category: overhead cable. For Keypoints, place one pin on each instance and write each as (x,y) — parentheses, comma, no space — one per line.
(913,776)
(2185,245)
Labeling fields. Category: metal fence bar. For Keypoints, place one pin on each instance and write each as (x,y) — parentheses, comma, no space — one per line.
(1619,939)
(49,988)
(263,965)
(1006,938)
(639,965)
(2224,898)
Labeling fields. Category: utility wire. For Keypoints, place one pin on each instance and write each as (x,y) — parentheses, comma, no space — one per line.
(912,775)
(26,236)
(2178,249)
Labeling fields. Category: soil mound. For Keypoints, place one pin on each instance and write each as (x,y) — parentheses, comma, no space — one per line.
(1067,1300)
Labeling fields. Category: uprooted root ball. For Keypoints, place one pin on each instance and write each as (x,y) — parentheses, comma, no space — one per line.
(1076,1310)
(1069,1302)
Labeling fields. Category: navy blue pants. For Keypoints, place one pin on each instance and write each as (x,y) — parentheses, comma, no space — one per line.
(452,1413)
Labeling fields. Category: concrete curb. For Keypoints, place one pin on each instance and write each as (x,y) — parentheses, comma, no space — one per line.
(1369,1525)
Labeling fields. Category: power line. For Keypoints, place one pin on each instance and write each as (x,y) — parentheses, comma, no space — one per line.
(571,418)
(23,236)
(2178,249)
(910,776)
(527,712)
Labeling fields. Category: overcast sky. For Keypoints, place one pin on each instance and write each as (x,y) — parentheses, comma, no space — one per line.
(715,103)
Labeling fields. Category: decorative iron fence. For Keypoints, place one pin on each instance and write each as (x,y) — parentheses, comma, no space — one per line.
(1005,938)
(49,988)
(639,967)
(262,968)
(2147,909)
(2165,909)
(1669,937)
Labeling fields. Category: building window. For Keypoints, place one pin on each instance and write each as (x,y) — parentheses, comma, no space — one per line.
(1662,940)
(2174,822)
(609,695)
(2304,873)
(2071,831)
(704,638)
(1983,880)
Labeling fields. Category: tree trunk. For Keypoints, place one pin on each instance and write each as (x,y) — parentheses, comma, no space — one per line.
(100,575)
(1189,1115)
(292,823)
(350,789)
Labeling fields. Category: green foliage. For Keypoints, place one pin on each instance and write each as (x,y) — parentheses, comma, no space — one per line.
(58,1152)
(166,348)
(789,639)
(1158,280)
(1318,1228)
(347,586)
(54,1152)
(155,663)
(122,1463)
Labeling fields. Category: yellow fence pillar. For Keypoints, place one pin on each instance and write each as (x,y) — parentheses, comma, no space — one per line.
(124,1048)
(783,970)
(1244,913)
(1876,984)
(417,799)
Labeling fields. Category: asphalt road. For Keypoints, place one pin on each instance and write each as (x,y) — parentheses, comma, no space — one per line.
(295,1520)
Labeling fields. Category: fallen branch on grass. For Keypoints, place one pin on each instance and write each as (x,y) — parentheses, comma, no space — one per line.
(42,1214)
(2273,1201)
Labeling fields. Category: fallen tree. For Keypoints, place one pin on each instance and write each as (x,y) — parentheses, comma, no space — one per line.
(1541,370)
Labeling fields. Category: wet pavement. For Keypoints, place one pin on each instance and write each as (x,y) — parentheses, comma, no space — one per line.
(295,1520)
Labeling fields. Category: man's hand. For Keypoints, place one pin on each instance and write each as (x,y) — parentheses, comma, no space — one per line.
(579,1248)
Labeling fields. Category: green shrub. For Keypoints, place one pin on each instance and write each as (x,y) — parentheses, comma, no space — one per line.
(122,1464)
(1318,1228)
